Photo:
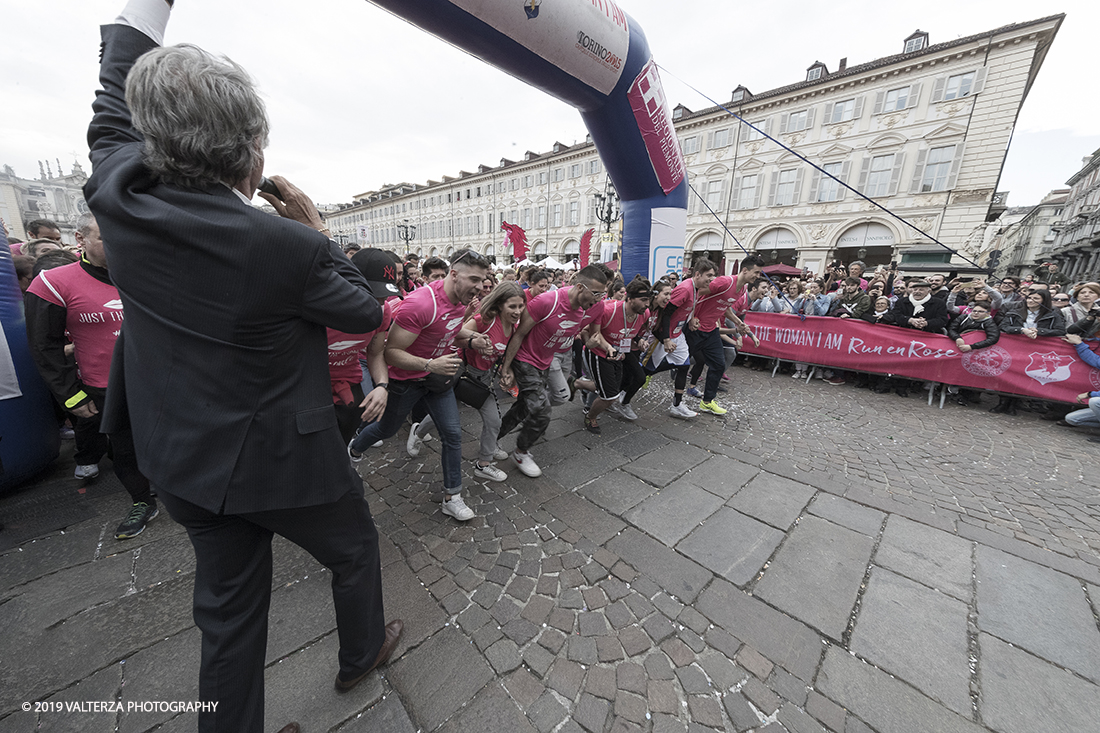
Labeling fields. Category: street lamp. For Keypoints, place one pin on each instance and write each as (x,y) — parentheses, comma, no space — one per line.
(607,206)
(406,232)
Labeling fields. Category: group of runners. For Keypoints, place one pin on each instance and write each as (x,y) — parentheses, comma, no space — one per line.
(510,343)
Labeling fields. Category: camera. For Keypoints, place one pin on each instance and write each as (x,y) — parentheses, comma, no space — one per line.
(268,186)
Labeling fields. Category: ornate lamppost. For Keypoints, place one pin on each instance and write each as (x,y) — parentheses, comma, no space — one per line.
(406,232)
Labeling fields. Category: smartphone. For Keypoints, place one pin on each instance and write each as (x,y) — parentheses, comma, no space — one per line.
(268,186)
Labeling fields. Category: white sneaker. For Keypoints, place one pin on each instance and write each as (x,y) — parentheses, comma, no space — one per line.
(500,455)
(614,409)
(526,464)
(376,444)
(489,471)
(456,507)
(355,457)
(682,411)
(628,412)
(412,445)
(86,472)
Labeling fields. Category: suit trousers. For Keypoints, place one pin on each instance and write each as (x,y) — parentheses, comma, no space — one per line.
(233,576)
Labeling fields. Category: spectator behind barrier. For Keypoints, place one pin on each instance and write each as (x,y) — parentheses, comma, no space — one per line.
(920,309)
(1035,317)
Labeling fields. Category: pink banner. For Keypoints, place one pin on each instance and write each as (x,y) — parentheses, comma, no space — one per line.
(647,100)
(1043,368)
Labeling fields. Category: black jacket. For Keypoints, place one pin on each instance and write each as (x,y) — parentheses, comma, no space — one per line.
(935,312)
(223,349)
(1051,323)
(965,323)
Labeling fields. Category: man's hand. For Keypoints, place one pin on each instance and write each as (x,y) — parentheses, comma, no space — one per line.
(1083,398)
(507,378)
(669,346)
(1072,338)
(295,204)
(445,365)
(374,404)
(965,347)
(85,411)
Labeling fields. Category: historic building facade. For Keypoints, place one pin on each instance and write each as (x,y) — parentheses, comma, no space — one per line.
(1076,244)
(55,196)
(922,134)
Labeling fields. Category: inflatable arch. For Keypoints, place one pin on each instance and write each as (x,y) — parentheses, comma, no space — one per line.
(593,56)
(29,439)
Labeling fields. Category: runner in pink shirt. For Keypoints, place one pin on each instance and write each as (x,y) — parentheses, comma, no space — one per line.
(421,353)
(345,350)
(609,344)
(672,354)
(548,327)
(704,337)
(79,299)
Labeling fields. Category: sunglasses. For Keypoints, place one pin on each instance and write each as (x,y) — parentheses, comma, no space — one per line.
(597,296)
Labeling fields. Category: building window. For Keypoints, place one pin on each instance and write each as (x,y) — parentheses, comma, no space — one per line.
(796,121)
(829,189)
(574,213)
(814,73)
(840,111)
(528,181)
(559,174)
(690,145)
(878,178)
(527,221)
(557,215)
(575,170)
(756,132)
(786,187)
(542,217)
(937,169)
(720,138)
(738,95)
(748,196)
(593,167)
(958,86)
(714,195)
(542,178)
(914,44)
(896,99)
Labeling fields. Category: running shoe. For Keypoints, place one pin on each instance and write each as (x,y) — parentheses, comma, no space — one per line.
(725,377)
(835,380)
(572,382)
(456,507)
(647,380)
(514,391)
(591,425)
(526,464)
(500,455)
(712,407)
(489,472)
(692,391)
(134,524)
(615,409)
(798,375)
(412,445)
(628,412)
(682,411)
(67,433)
(355,457)
(86,473)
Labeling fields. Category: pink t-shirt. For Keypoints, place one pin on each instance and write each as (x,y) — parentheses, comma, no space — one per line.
(346,349)
(684,298)
(619,328)
(93,317)
(495,331)
(711,309)
(556,325)
(430,314)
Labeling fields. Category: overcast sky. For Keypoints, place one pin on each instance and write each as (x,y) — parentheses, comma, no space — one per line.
(359,98)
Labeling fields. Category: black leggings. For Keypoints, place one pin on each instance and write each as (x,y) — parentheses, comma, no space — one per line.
(679,373)
(633,376)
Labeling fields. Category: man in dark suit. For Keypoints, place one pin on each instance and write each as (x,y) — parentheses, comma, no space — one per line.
(223,361)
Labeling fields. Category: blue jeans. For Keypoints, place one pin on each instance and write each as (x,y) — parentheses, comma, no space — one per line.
(404,394)
(1088,417)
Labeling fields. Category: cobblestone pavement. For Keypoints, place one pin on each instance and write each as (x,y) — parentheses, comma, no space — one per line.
(822,558)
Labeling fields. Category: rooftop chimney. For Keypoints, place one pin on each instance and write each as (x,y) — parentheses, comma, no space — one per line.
(843,64)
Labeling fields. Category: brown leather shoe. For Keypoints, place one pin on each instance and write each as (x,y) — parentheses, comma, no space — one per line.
(393,635)
(291,728)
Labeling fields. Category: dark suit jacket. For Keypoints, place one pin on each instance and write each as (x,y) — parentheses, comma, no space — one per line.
(935,312)
(223,346)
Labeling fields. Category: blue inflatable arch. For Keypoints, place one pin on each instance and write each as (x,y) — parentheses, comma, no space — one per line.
(593,56)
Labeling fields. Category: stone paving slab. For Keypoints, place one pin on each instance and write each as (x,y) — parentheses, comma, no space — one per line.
(387,716)
(680,576)
(103,685)
(721,476)
(928,555)
(731,545)
(617,491)
(1038,609)
(439,677)
(144,678)
(816,574)
(662,467)
(918,634)
(1023,694)
(773,500)
(839,510)
(884,702)
(674,511)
